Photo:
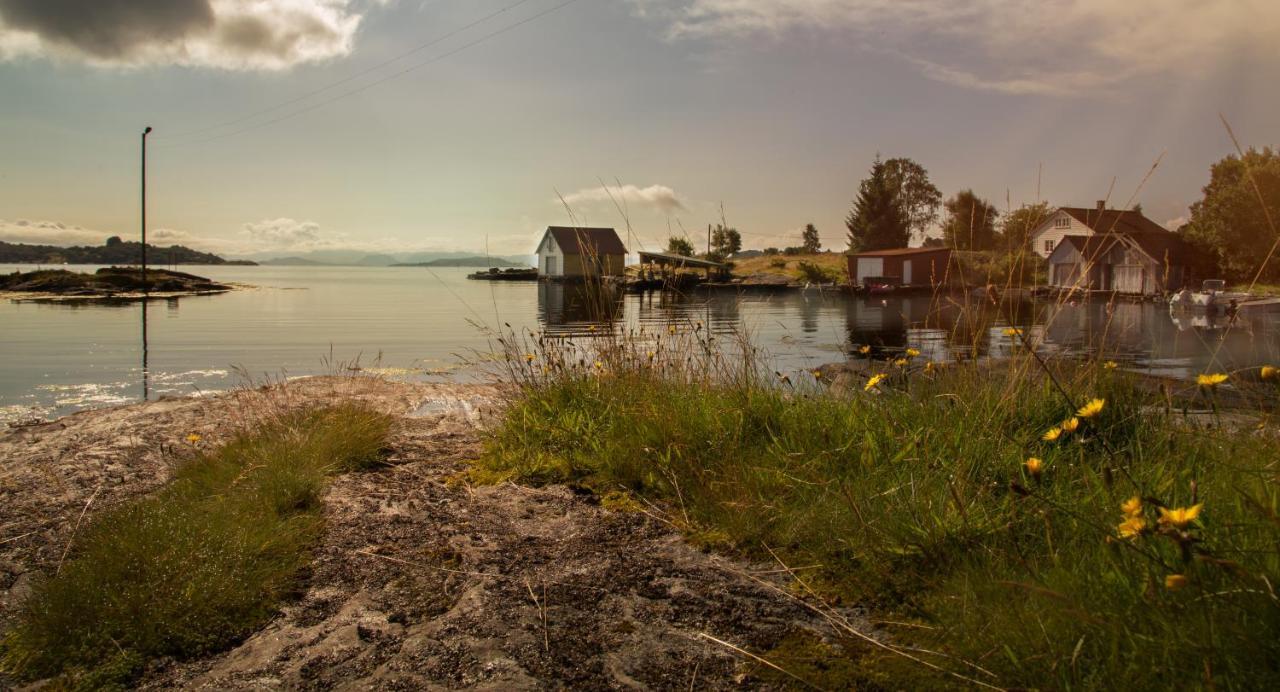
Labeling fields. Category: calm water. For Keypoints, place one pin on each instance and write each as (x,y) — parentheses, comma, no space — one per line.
(429,324)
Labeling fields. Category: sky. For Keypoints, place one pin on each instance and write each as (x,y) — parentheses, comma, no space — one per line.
(285,126)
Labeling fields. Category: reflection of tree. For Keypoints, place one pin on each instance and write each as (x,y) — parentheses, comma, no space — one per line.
(563,306)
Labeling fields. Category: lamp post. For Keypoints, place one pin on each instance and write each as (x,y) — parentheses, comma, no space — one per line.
(145,288)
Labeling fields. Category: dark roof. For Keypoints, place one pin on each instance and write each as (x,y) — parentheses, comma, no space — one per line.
(1161,247)
(1113,220)
(890,252)
(1166,246)
(596,241)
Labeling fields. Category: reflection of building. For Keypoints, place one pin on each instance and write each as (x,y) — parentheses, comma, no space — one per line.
(580,252)
(574,307)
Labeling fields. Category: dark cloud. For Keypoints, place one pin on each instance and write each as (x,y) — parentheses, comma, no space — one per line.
(109,29)
(232,34)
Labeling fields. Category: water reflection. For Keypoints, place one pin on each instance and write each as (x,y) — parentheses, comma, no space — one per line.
(945,327)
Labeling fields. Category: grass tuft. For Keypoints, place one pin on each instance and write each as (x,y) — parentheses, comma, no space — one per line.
(200,563)
(915,497)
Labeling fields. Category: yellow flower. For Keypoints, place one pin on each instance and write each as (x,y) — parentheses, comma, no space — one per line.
(928,367)
(873,382)
(865,349)
(1013,331)
(1110,365)
(1132,527)
(1173,582)
(900,362)
(1211,380)
(1091,409)
(1034,466)
(671,329)
(1051,434)
(651,355)
(1269,372)
(591,328)
(817,374)
(1181,516)
(194,438)
(1070,425)
(599,365)
(1132,507)
(529,357)
(912,353)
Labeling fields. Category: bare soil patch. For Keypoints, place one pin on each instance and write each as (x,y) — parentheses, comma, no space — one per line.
(421,581)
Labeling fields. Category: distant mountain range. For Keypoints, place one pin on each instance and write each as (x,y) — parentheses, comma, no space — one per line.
(466,262)
(356,258)
(115,251)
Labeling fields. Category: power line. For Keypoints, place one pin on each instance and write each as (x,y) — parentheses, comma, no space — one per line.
(340,82)
(387,78)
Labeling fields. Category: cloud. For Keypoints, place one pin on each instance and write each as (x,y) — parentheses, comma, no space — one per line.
(659,197)
(1013,46)
(285,234)
(226,34)
(1176,223)
(49,233)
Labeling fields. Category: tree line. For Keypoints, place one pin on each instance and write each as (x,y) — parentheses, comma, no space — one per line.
(1234,226)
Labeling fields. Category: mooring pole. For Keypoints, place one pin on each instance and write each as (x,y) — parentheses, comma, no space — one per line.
(145,288)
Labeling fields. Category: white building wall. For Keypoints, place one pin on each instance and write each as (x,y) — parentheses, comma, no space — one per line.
(1049,231)
(549,248)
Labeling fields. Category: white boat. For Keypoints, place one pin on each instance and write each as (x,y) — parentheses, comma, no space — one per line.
(1212,299)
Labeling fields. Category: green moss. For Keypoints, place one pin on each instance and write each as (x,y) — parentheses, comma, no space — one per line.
(197,565)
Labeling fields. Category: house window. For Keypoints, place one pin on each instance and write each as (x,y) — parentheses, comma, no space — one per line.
(1048,245)
(1062,222)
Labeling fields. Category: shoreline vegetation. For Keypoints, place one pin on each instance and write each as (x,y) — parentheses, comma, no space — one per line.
(120,283)
(1030,524)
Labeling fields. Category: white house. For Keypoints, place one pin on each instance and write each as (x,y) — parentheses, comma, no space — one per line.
(1082,221)
(566,252)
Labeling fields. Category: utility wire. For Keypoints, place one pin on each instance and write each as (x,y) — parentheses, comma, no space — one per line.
(387,78)
(340,82)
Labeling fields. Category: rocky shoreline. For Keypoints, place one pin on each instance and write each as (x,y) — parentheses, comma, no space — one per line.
(108,283)
(422,579)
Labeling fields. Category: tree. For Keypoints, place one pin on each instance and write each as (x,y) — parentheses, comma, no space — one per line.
(920,198)
(878,219)
(114,241)
(1017,225)
(809,239)
(679,246)
(1230,223)
(725,241)
(970,222)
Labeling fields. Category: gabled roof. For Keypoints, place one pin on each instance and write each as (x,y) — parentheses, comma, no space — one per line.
(1163,247)
(587,241)
(1113,220)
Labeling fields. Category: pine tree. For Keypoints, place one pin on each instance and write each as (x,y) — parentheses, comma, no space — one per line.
(878,219)
(810,240)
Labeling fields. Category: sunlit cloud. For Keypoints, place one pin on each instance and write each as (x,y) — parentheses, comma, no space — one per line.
(658,197)
(49,233)
(225,34)
(1013,46)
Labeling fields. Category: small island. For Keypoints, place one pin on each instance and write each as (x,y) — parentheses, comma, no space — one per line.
(121,283)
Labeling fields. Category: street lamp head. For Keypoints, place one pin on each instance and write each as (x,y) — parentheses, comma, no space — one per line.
(147,131)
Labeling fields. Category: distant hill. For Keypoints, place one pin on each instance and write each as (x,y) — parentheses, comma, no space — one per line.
(465,262)
(293,262)
(115,251)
